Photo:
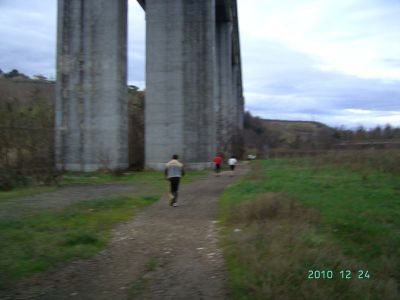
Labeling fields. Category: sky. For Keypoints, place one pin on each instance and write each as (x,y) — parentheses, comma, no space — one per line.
(331,61)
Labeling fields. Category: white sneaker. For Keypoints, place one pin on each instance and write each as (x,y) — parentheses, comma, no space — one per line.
(175,204)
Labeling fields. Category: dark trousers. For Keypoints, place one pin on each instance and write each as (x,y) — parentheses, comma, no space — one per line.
(217,168)
(174,186)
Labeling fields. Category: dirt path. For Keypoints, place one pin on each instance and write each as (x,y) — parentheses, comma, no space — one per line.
(163,253)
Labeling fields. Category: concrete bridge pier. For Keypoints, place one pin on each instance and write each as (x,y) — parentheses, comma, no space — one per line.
(194,102)
(237,86)
(91,96)
(225,86)
(230,106)
(180,82)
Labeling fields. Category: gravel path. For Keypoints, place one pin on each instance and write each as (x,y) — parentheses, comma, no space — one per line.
(164,253)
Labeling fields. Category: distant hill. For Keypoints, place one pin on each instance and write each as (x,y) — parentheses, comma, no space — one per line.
(292,129)
(263,134)
(25,90)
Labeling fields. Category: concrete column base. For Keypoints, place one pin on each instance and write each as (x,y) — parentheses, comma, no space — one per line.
(189,166)
(89,167)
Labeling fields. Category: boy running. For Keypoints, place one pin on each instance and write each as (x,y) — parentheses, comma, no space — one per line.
(173,172)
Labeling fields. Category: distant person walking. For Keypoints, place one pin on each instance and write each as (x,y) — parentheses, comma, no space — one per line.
(217,164)
(232,164)
(173,172)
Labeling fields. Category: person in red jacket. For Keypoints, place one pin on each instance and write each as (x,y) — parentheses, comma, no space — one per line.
(217,163)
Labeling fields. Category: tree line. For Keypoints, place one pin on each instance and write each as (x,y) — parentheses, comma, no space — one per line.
(27,133)
(263,135)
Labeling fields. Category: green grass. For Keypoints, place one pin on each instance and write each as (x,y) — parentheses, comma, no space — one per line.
(151,179)
(33,244)
(147,177)
(25,191)
(296,215)
(361,211)
(73,178)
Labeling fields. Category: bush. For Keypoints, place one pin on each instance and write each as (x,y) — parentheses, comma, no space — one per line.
(27,135)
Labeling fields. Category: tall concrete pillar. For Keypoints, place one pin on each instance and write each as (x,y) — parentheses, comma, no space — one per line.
(91,96)
(225,97)
(235,99)
(180,82)
(237,108)
(238,100)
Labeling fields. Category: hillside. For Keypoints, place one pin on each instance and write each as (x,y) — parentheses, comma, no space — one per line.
(24,90)
(262,134)
(27,122)
(291,130)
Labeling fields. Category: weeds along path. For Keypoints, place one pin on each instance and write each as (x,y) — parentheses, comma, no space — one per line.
(164,253)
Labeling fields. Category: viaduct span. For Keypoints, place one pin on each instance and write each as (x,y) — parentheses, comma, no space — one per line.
(194,99)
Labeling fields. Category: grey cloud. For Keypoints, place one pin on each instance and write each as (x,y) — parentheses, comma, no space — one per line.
(292,85)
(27,36)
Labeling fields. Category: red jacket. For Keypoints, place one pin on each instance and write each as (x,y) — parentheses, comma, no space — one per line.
(217,160)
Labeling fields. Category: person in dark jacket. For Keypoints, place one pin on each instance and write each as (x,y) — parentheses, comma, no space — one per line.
(174,171)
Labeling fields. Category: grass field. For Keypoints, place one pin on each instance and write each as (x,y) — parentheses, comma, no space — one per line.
(323,228)
(25,191)
(141,177)
(152,179)
(74,178)
(34,242)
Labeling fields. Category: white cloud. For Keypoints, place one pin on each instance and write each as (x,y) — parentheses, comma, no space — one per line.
(352,36)
(359,111)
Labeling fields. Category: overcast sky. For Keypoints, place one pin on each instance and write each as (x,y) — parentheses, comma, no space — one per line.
(333,61)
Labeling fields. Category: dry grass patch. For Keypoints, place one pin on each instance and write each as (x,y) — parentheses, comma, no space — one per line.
(268,207)
(279,241)
(387,161)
